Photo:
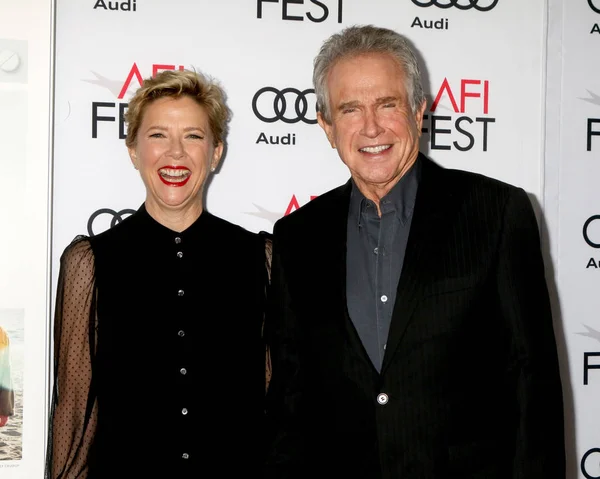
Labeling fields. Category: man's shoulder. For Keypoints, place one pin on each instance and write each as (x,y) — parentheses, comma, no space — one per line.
(321,208)
(474,178)
(463,182)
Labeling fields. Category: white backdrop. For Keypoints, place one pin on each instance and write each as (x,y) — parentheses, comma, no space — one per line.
(498,113)
(572,209)
(97,49)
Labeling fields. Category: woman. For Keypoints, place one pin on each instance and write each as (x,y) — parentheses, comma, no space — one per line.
(159,358)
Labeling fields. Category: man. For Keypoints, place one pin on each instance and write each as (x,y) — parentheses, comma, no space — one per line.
(410,326)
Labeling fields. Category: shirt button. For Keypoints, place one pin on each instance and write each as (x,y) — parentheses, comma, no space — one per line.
(185,455)
(179,254)
(184,411)
(183,371)
(376,250)
(180,292)
(177,240)
(384,298)
(382,399)
(181,333)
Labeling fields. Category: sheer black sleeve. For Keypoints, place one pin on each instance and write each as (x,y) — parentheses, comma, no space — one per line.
(74,407)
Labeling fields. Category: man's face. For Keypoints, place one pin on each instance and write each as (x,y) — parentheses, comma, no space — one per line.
(372,125)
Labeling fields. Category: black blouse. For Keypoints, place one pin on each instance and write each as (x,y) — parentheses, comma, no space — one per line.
(159,357)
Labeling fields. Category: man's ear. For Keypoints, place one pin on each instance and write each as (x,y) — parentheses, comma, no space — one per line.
(419,116)
(327,128)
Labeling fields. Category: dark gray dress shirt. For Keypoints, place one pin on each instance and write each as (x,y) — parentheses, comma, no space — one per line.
(374,258)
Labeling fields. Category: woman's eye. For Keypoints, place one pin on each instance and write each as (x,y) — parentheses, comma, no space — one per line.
(195,137)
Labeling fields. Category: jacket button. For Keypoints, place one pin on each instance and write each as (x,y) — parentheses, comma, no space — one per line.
(382,399)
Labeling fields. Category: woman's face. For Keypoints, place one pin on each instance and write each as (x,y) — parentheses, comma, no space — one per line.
(174,152)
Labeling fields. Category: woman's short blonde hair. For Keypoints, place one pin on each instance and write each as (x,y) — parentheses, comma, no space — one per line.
(176,83)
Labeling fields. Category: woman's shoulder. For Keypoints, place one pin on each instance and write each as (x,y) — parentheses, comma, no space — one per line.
(232,231)
(234,234)
(78,256)
(79,247)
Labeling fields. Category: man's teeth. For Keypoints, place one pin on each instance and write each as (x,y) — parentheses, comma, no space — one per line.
(178,174)
(374,149)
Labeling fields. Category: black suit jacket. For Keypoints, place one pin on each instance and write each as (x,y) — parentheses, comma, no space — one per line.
(470,376)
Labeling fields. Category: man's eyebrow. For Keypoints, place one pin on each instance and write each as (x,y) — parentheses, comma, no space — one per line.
(386,99)
(348,104)
(378,101)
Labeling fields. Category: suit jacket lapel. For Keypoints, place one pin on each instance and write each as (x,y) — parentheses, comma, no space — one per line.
(433,201)
(334,244)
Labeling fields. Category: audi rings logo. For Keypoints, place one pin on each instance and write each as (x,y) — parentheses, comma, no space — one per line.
(593,464)
(106,218)
(481,5)
(587,233)
(270,105)
(594,7)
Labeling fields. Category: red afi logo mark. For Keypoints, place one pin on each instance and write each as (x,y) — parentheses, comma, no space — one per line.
(294,205)
(135,72)
(464,94)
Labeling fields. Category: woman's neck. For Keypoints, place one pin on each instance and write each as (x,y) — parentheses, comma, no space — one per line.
(178,219)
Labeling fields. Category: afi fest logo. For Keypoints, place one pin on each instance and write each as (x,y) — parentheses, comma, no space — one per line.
(480,5)
(288,105)
(111,112)
(591,361)
(273,216)
(593,124)
(466,126)
(316,11)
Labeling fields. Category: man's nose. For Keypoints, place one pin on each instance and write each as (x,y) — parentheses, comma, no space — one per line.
(371,127)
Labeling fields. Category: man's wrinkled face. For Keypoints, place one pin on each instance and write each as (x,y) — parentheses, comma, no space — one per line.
(372,124)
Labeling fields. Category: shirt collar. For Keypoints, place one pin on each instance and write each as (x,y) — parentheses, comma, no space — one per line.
(161,232)
(401,197)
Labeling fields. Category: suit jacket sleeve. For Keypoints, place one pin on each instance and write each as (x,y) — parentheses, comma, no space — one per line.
(283,336)
(533,368)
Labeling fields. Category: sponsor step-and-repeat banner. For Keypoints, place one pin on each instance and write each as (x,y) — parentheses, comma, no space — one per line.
(484,70)
(574,67)
(277,157)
